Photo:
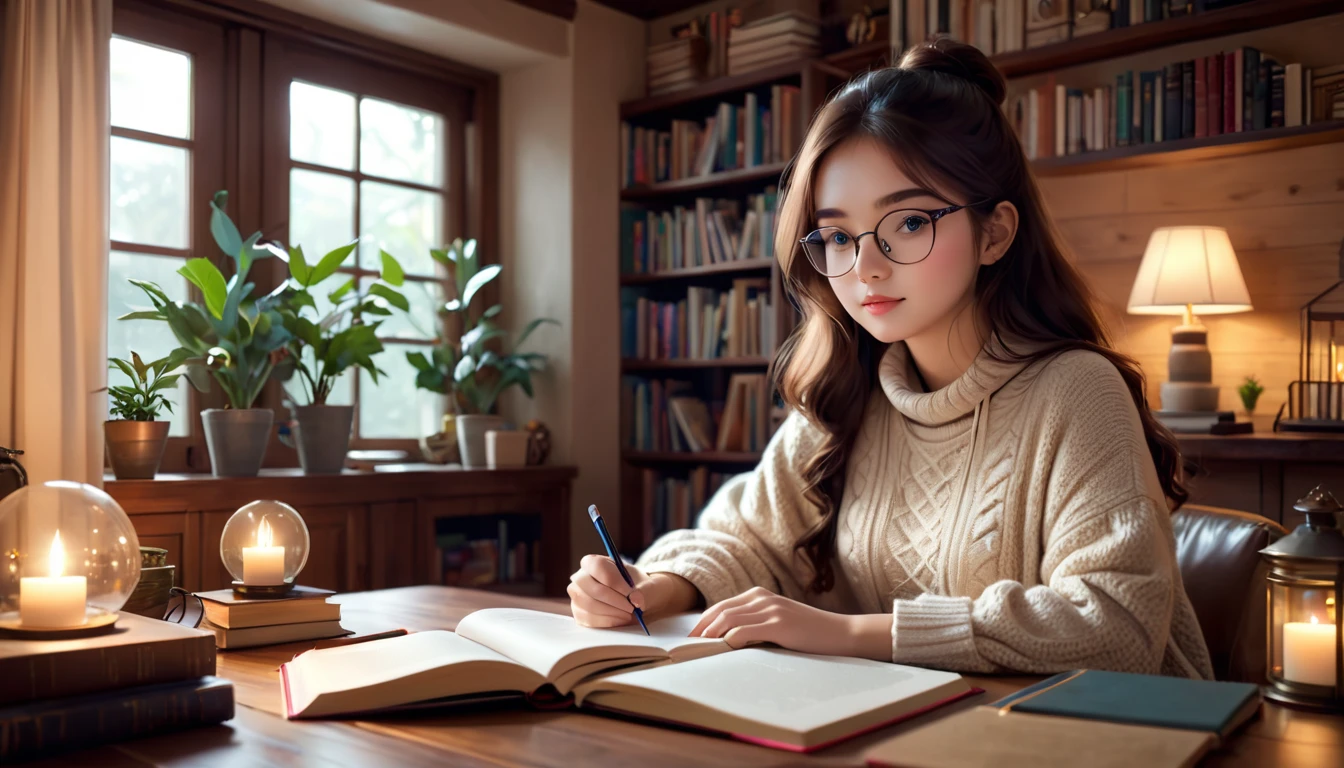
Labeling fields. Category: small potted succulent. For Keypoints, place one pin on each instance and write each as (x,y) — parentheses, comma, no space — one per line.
(471,373)
(233,337)
(134,435)
(1250,391)
(323,348)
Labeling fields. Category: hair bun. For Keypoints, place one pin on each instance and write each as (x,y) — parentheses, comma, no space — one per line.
(943,54)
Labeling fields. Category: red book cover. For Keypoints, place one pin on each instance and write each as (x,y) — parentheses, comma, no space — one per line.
(1229,98)
(1201,99)
(1215,91)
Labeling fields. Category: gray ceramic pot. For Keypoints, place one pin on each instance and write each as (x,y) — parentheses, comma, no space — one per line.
(135,448)
(322,437)
(471,431)
(237,439)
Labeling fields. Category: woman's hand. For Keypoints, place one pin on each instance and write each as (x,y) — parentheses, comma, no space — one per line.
(761,616)
(599,597)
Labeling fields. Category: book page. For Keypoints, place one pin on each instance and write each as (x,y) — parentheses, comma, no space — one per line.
(790,691)
(551,644)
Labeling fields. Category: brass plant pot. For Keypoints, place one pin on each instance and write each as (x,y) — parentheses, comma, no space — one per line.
(135,448)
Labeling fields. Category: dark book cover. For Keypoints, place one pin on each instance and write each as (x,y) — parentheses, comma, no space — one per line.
(1152,10)
(945,16)
(1230,96)
(1215,88)
(1122,697)
(1172,111)
(1276,94)
(1147,83)
(141,652)
(1201,97)
(1250,72)
(1120,14)
(1178,8)
(1124,104)
(1261,100)
(61,725)
(1187,99)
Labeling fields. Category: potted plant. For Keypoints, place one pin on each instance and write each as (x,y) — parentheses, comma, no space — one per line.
(1250,391)
(479,374)
(134,435)
(323,348)
(234,338)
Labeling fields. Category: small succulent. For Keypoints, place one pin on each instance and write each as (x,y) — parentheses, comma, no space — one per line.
(1250,390)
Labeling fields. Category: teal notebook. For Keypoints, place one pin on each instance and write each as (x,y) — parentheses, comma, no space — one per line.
(1122,697)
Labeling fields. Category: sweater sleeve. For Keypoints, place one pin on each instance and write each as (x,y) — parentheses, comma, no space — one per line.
(1107,580)
(744,537)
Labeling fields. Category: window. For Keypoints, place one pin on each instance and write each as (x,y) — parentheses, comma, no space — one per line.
(320,135)
(366,167)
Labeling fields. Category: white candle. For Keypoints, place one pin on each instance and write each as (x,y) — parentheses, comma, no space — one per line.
(53,601)
(1309,652)
(264,564)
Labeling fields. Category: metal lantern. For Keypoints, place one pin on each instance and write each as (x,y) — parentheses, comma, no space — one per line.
(1305,592)
(1316,399)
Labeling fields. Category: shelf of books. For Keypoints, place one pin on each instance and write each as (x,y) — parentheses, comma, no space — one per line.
(500,553)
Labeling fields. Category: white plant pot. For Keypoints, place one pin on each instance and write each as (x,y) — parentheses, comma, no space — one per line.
(471,429)
(505,448)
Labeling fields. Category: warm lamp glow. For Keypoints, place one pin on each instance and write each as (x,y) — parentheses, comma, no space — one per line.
(1189,267)
(264,534)
(56,559)
(1313,619)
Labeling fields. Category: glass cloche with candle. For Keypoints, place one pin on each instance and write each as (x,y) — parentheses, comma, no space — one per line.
(69,559)
(1306,589)
(264,546)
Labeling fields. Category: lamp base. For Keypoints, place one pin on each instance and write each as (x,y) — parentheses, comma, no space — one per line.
(1189,396)
(96,622)
(262,591)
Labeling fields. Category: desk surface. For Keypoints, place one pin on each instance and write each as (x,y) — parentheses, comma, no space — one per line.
(260,736)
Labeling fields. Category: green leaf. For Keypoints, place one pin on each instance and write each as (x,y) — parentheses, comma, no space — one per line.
(391,295)
(167,382)
(206,276)
(335,296)
(125,367)
(222,227)
(143,315)
(465,368)
(298,267)
(418,360)
(453,305)
(391,274)
(440,255)
(198,375)
(140,368)
(491,312)
(308,332)
(302,299)
(156,293)
(330,263)
(530,327)
(478,281)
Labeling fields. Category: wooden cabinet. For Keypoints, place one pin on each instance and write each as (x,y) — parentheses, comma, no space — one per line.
(1263,473)
(366,530)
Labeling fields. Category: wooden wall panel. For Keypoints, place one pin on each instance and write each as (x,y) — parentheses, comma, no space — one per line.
(1284,212)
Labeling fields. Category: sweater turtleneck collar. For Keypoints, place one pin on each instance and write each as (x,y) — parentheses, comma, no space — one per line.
(901,384)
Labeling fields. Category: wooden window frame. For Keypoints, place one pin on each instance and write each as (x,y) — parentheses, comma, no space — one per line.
(235,119)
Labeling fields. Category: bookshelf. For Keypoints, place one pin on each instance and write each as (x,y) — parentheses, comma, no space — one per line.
(818,78)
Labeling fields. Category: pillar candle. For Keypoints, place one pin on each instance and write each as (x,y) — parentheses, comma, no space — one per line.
(264,565)
(54,601)
(1309,652)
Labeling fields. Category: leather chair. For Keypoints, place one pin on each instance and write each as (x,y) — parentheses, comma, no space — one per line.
(1218,552)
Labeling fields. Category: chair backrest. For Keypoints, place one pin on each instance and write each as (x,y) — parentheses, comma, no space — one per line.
(1218,552)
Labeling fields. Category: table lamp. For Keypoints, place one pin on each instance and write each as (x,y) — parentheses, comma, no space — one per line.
(1189,270)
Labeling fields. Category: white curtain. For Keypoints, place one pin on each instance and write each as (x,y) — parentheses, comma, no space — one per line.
(53,234)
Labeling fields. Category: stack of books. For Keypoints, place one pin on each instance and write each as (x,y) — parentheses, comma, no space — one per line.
(676,65)
(706,325)
(773,40)
(665,415)
(242,622)
(1233,92)
(713,231)
(674,500)
(147,677)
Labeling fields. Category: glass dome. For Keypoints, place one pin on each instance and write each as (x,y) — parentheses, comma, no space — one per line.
(68,554)
(265,543)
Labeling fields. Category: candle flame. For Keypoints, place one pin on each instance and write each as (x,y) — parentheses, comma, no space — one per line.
(1313,619)
(56,560)
(264,534)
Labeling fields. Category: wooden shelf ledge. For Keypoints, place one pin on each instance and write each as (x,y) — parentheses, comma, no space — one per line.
(708,270)
(761,173)
(681,364)
(687,457)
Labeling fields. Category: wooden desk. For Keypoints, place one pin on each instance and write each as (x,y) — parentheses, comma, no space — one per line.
(260,736)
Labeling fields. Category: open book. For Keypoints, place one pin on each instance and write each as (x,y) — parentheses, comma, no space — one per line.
(763,695)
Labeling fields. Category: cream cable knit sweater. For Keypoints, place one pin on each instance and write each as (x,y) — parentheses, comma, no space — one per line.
(1011,521)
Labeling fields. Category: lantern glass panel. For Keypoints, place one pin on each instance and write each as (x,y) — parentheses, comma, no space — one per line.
(1303,624)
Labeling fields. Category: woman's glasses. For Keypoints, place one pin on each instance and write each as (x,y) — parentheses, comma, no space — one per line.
(904,236)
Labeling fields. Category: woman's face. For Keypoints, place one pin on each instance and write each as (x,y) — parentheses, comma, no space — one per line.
(857,184)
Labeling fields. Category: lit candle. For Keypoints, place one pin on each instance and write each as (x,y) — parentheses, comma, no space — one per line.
(1309,652)
(264,564)
(53,601)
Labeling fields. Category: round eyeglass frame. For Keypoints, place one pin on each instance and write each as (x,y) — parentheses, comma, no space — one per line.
(934,215)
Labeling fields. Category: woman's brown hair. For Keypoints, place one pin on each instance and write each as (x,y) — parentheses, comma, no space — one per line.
(939,113)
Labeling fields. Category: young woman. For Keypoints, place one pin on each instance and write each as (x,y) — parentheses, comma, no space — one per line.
(970,477)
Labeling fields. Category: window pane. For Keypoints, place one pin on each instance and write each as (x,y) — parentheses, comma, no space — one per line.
(400,143)
(341,394)
(321,126)
(320,292)
(149,193)
(404,222)
(394,407)
(151,88)
(423,321)
(151,338)
(321,213)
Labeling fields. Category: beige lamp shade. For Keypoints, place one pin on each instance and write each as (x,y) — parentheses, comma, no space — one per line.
(1189,265)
